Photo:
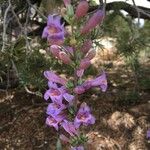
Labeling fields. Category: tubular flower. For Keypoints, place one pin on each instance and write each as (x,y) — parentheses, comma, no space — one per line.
(69,49)
(69,98)
(91,54)
(85,63)
(55,108)
(82,88)
(51,76)
(57,94)
(84,116)
(148,134)
(79,72)
(82,9)
(54,31)
(65,58)
(54,121)
(87,45)
(67,2)
(77,148)
(54,94)
(55,50)
(69,127)
(93,22)
(100,81)
(79,89)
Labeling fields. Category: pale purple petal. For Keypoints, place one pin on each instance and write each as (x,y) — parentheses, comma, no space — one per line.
(91,119)
(84,107)
(87,85)
(80,72)
(51,76)
(50,20)
(148,134)
(52,85)
(100,81)
(45,33)
(55,108)
(50,121)
(54,31)
(79,90)
(77,148)
(85,63)
(69,49)
(54,94)
(46,95)
(69,98)
(69,127)
(84,116)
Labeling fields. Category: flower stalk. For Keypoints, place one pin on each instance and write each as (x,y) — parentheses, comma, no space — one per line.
(65,111)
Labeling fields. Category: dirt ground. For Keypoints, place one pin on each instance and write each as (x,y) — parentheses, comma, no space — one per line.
(122,117)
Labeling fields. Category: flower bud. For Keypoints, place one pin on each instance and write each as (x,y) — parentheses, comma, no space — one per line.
(85,63)
(80,72)
(82,9)
(70,50)
(93,22)
(54,49)
(67,2)
(79,90)
(65,58)
(91,54)
(87,45)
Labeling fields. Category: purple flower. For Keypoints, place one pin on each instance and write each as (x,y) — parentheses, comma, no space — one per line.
(54,31)
(54,121)
(55,108)
(64,57)
(79,89)
(82,88)
(84,116)
(93,22)
(69,49)
(52,85)
(82,9)
(67,2)
(57,94)
(55,50)
(148,134)
(87,45)
(87,85)
(91,54)
(85,63)
(77,148)
(80,72)
(100,81)
(69,98)
(51,76)
(69,127)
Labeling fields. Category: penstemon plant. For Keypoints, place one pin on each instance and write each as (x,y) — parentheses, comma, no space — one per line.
(65,112)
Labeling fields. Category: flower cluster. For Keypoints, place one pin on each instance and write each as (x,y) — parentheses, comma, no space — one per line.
(64,112)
